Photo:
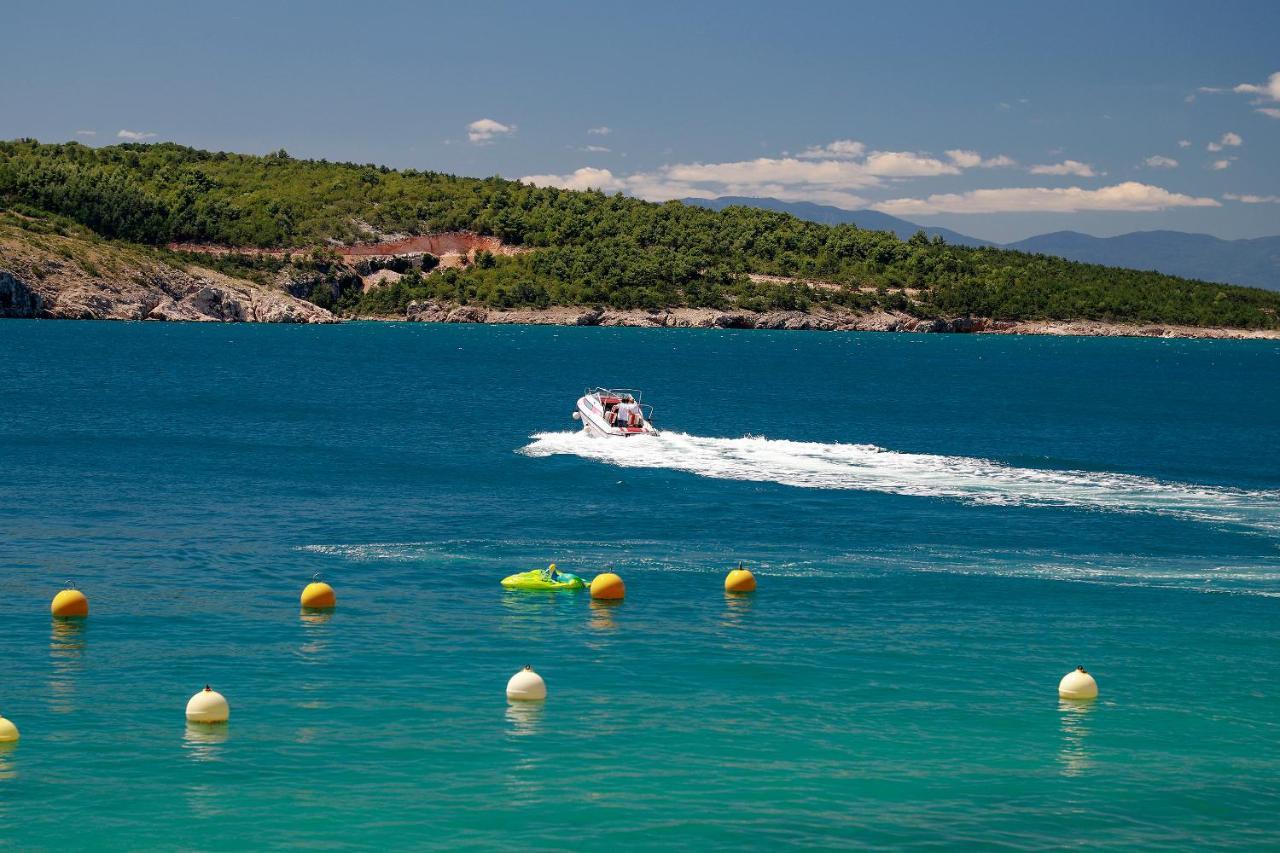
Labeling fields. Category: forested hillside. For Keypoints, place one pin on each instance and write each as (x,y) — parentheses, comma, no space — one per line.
(592,248)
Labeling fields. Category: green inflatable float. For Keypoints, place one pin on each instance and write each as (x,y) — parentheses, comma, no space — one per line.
(549,578)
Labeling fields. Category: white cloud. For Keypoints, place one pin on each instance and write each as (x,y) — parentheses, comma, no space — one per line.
(595,149)
(1269,90)
(1228,140)
(485,130)
(786,170)
(1159,161)
(848,169)
(693,181)
(1066,167)
(965,159)
(600,131)
(973,160)
(901,164)
(134,135)
(1184,143)
(1268,111)
(907,164)
(585,178)
(86,133)
(1219,165)
(841,149)
(1253,199)
(1127,196)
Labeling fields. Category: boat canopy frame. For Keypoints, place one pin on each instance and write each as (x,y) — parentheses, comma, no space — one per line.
(646,410)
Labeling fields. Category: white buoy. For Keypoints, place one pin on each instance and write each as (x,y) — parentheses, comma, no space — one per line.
(1078,684)
(526,686)
(208,706)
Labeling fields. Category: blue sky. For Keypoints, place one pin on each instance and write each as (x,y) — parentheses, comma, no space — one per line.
(1000,120)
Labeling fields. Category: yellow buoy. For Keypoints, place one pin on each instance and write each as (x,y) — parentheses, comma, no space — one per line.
(1078,684)
(526,686)
(607,586)
(740,580)
(208,706)
(8,731)
(318,595)
(70,602)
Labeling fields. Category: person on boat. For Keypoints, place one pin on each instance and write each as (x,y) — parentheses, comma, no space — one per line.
(627,413)
(550,572)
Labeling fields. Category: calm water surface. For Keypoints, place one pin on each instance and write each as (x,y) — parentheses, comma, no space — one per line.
(942,527)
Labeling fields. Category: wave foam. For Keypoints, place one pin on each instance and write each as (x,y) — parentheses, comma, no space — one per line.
(865,467)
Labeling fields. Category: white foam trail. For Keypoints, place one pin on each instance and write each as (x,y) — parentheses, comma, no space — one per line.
(866,467)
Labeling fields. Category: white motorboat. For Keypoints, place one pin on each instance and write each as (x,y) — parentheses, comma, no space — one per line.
(614,412)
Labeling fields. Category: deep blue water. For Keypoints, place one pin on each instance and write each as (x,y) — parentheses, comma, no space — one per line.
(942,526)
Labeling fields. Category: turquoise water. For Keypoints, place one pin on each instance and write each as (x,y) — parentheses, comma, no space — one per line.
(941,526)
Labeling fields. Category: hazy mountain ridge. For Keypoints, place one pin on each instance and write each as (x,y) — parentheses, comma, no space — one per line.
(1253,262)
(871,220)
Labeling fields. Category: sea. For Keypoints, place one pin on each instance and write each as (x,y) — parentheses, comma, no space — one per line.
(941,527)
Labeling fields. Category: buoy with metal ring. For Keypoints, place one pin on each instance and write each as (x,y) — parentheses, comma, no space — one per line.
(70,602)
(526,686)
(208,706)
(318,595)
(1078,684)
(607,586)
(740,580)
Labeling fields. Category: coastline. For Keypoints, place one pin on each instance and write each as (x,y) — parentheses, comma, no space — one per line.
(833,321)
(61,276)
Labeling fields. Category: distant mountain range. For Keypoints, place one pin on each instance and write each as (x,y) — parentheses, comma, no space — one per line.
(1253,262)
(869,220)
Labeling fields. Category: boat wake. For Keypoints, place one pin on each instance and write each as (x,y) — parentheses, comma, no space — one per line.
(866,467)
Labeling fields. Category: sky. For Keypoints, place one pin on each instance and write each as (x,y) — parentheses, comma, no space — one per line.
(997,119)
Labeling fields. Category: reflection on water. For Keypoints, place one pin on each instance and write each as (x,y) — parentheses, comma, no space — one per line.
(525,781)
(602,614)
(525,611)
(204,741)
(209,801)
(66,652)
(312,616)
(8,769)
(526,718)
(314,624)
(312,734)
(1076,726)
(737,606)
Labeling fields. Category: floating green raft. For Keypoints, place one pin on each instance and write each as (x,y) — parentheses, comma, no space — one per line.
(544,579)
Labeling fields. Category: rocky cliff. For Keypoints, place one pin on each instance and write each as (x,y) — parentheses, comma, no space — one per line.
(69,276)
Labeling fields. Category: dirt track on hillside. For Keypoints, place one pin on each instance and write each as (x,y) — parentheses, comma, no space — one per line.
(441,244)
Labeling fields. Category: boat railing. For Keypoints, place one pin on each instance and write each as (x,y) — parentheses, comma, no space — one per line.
(613,392)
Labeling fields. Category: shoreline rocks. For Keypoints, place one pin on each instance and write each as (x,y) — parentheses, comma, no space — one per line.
(821,320)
